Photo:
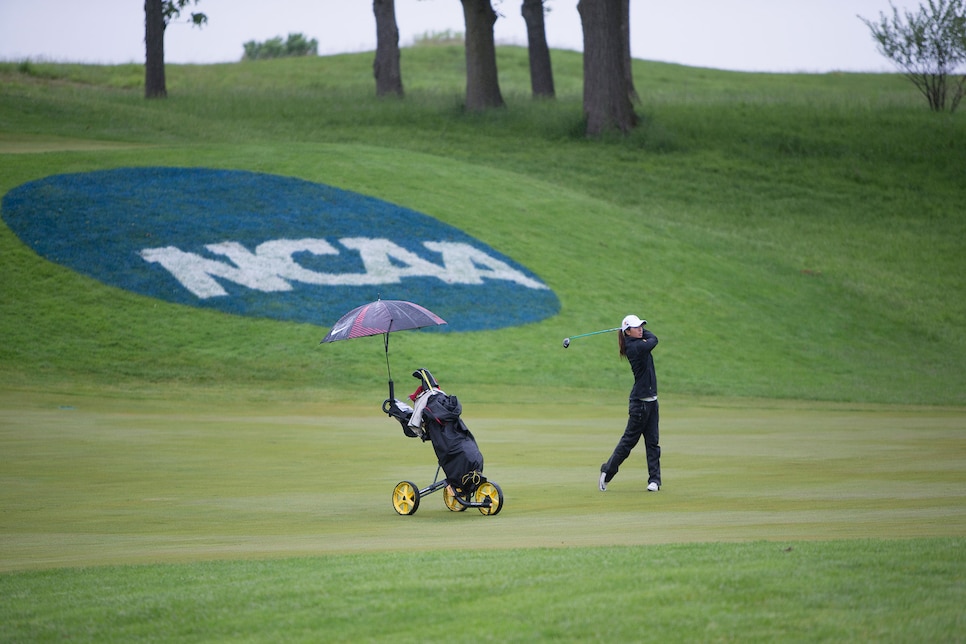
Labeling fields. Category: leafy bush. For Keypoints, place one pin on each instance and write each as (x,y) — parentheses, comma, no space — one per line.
(928,46)
(295,45)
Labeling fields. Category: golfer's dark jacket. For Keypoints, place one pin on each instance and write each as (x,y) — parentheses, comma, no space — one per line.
(638,351)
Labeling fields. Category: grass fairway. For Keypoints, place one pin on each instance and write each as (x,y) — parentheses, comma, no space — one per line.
(173,473)
(101,481)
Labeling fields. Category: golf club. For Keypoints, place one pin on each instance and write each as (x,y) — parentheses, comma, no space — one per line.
(566,341)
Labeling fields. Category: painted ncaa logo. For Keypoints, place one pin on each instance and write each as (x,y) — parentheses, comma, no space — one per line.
(268,246)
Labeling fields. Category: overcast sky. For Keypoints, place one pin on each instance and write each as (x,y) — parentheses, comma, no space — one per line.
(744,35)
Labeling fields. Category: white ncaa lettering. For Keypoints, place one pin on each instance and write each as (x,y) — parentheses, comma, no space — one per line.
(378,255)
(272,266)
(468,265)
(266,270)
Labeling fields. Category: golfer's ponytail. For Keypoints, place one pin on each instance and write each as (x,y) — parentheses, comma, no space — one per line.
(621,345)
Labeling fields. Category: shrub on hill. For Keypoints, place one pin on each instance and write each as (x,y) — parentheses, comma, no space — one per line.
(294,45)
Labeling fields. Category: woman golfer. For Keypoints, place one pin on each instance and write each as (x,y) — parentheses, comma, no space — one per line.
(636,344)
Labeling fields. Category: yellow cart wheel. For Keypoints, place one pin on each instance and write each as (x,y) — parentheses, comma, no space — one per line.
(491,491)
(405,497)
(450,500)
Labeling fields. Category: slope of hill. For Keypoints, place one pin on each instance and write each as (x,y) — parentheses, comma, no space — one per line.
(789,236)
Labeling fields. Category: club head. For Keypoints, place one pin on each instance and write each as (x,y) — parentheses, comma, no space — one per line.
(566,342)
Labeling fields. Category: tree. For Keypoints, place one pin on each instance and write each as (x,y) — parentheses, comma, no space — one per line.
(482,84)
(928,47)
(157,15)
(607,92)
(386,65)
(541,72)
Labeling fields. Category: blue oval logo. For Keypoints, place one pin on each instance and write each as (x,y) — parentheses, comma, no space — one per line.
(268,246)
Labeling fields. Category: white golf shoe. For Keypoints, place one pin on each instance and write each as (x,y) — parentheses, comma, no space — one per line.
(653,486)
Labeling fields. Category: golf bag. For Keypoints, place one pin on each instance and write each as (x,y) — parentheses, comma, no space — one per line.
(438,420)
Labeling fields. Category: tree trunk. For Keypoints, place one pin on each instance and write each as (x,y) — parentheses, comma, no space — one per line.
(154,84)
(607,103)
(386,65)
(541,72)
(482,85)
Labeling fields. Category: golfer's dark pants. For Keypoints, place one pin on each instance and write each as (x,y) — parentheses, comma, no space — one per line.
(642,421)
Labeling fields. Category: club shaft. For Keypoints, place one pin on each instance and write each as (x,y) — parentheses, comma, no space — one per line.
(581,335)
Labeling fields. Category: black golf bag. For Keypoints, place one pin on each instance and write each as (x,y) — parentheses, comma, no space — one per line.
(440,423)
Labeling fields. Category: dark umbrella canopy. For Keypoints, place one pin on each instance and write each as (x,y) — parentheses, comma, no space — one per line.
(382,316)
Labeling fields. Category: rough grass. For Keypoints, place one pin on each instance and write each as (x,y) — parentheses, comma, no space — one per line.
(790,236)
(754,592)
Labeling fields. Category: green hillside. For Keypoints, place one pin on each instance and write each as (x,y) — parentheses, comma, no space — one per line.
(786,236)
(171,473)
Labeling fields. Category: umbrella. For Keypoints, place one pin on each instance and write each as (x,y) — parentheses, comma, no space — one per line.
(382,317)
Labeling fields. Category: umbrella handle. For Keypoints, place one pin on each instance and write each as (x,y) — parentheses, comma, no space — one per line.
(388,370)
